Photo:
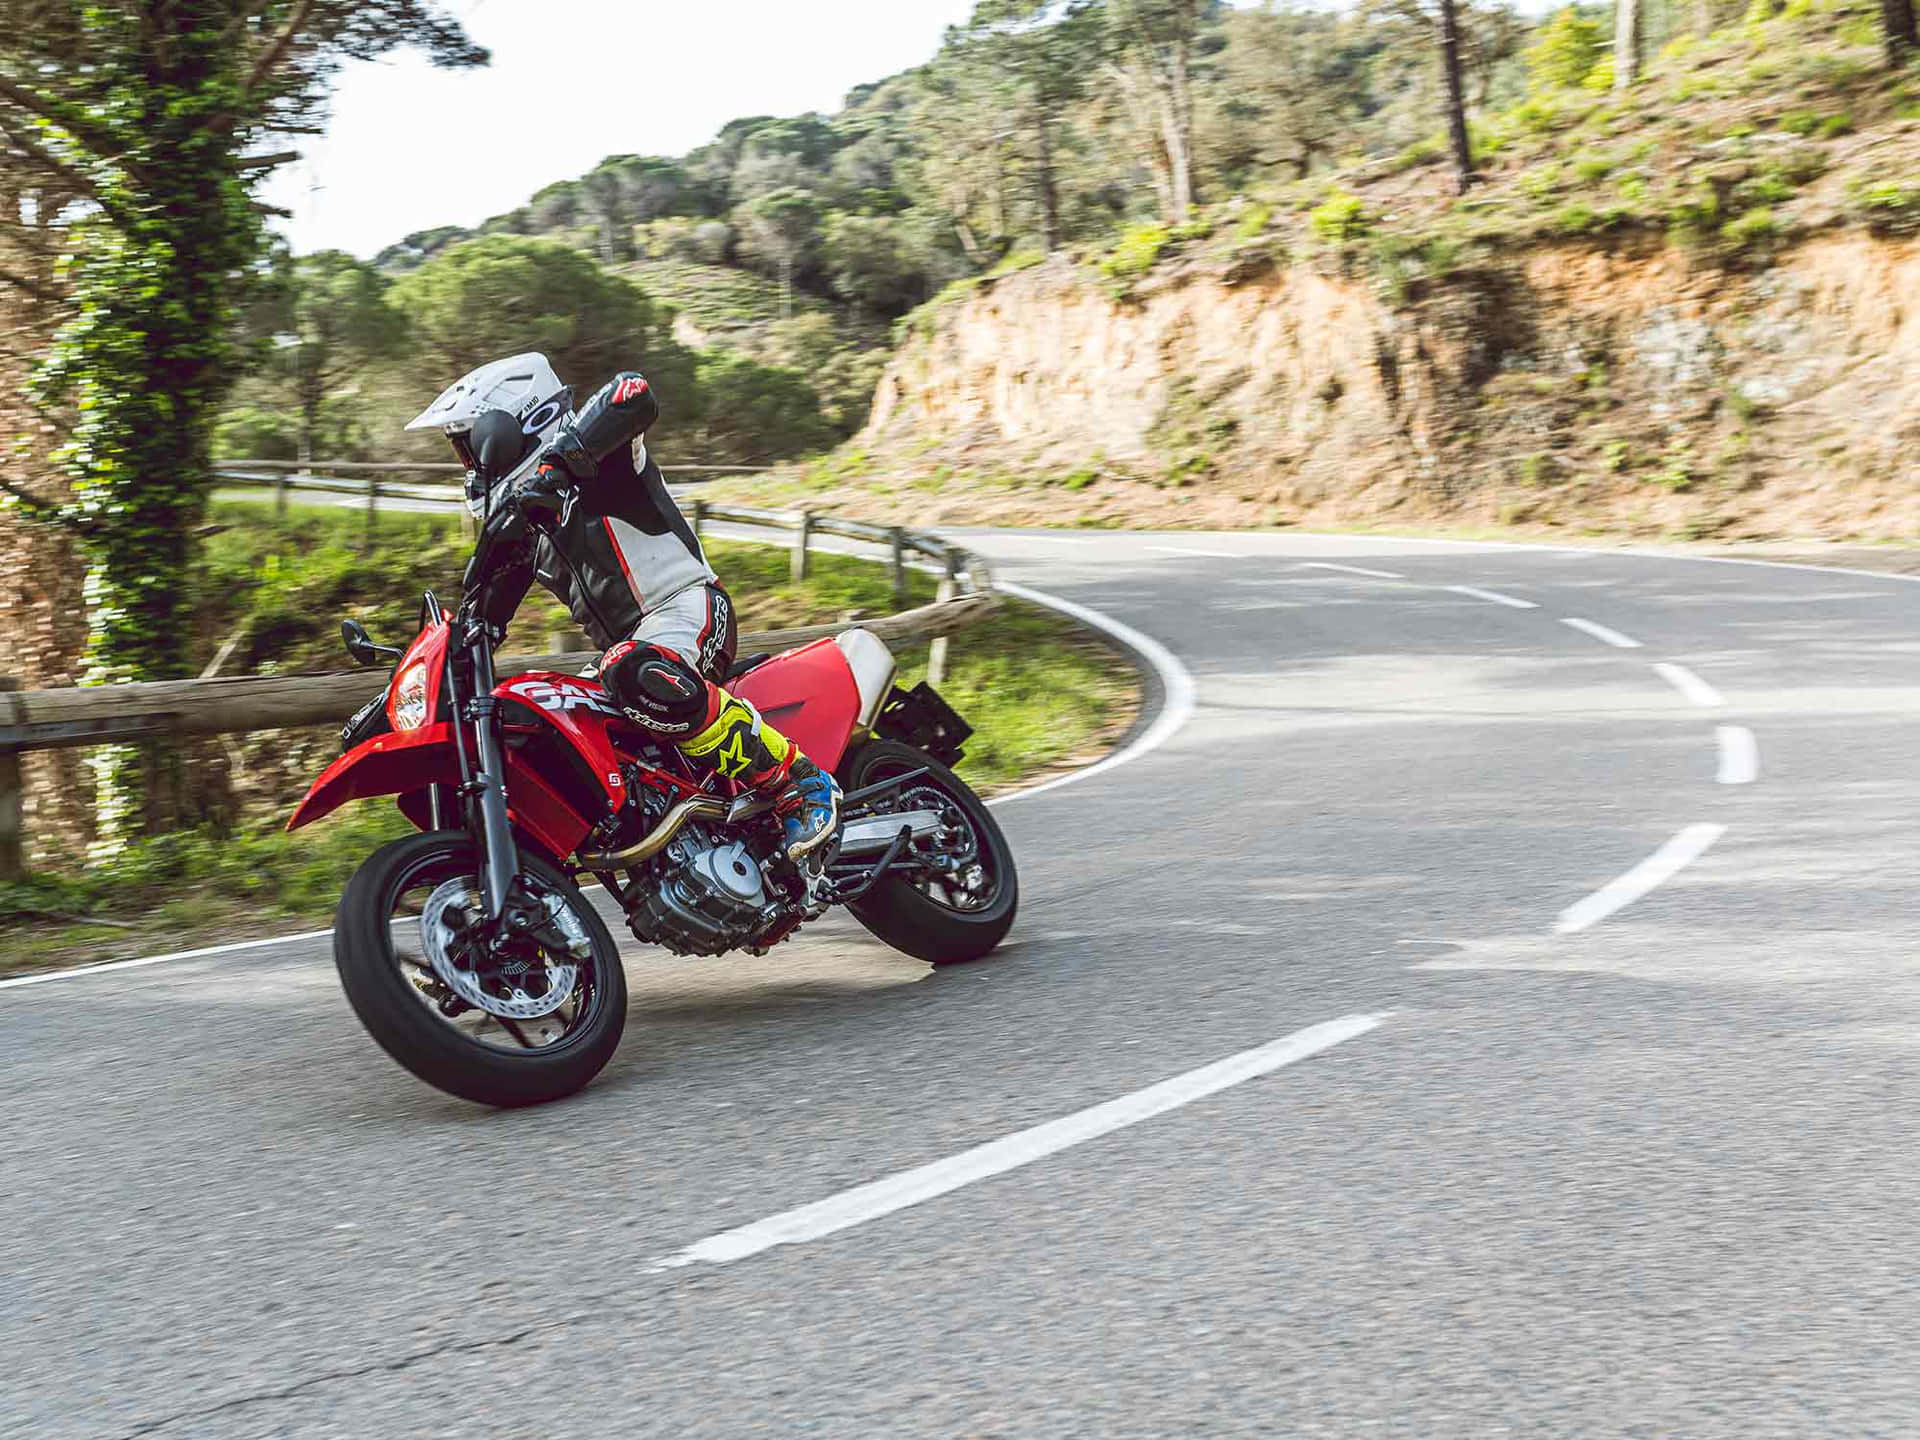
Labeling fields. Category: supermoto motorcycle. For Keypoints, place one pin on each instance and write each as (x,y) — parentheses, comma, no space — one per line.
(468,950)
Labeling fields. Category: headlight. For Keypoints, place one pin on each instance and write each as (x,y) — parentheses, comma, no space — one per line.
(410,698)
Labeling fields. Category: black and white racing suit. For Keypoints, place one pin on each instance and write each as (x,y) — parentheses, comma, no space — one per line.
(622,558)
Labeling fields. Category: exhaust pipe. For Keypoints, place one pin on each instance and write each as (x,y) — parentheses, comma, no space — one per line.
(655,840)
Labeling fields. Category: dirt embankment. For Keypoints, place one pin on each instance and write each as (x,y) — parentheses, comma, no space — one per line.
(1631,390)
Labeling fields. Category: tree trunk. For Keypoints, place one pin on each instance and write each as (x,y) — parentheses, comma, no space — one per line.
(1049,189)
(309,427)
(1898,19)
(1627,40)
(1703,16)
(1461,144)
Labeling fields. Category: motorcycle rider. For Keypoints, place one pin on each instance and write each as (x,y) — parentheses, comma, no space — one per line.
(611,544)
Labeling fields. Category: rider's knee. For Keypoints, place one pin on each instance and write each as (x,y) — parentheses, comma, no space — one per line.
(658,689)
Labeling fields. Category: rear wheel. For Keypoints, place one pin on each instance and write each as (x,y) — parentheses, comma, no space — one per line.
(957,900)
(532,1029)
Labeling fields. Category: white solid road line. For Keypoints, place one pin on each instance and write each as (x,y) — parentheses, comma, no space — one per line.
(1203,554)
(1601,632)
(1023,1147)
(1698,691)
(1351,569)
(1494,595)
(1176,685)
(201,953)
(1658,868)
(1739,755)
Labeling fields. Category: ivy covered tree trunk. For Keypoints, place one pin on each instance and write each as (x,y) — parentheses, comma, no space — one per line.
(144,110)
(144,364)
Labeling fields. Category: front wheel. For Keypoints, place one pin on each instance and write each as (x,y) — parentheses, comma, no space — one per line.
(956,899)
(531,1029)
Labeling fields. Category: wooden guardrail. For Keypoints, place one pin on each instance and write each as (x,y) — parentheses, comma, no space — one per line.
(78,716)
(337,477)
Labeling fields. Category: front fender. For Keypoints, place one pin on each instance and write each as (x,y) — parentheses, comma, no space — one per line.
(405,762)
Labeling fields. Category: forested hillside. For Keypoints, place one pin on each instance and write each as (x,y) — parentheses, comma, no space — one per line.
(789,245)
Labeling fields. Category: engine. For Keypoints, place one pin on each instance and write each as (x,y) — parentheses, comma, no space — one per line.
(704,894)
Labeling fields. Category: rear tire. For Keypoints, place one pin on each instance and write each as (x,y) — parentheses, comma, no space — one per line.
(901,915)
(406,1026)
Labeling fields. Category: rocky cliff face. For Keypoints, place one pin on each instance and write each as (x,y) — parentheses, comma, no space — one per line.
(1629,387)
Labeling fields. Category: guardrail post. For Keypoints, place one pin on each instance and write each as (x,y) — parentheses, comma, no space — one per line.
(898,537)
(800,538)
(937,651)
(699,520)
(280,487)
(373,505)
(13,863)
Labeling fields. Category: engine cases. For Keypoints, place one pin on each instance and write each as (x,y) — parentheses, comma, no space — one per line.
(704,896)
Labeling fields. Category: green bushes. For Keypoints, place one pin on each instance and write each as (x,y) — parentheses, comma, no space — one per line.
(1566,52)
(1889,207)
(1757,229)
(1136,252)
(1341,218)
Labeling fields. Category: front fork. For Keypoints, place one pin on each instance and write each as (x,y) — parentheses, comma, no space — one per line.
(486,783)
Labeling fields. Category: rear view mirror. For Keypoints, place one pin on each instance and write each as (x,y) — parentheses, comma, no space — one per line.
(360,645)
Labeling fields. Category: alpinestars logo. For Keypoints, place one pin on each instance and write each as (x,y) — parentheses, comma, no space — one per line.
(716,632)
(627,388)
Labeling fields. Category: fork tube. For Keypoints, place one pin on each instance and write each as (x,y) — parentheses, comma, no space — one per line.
(502,858)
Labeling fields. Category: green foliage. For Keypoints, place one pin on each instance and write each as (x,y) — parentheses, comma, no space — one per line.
(1566,50)
(1341,218)
(1591,169)
(755,413)
(867,262)
(1889,207)
(1800,122)
(1756,229)
(1136,252)
(503,294)
(1253,222)
(1430,151)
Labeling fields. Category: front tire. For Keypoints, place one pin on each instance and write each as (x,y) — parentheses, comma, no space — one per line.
(393,990)
(911,918)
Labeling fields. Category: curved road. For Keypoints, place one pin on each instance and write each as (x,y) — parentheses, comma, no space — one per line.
(1571,1042)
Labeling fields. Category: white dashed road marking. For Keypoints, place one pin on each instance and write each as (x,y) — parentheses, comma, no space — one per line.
(1023,1147)
(1739,755)
(1658,868)
(1351,569)
(1697,691)
(1601,632)
(1494,595)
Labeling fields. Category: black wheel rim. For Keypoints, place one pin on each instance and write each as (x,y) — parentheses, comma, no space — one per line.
(549,1034)
(955,869)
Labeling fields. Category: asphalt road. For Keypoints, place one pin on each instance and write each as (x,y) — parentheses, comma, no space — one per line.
(1568,1169)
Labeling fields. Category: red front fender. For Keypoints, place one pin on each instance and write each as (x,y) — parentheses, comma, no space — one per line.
(405,762)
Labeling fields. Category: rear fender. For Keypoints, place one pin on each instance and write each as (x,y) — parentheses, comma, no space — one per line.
(405,762)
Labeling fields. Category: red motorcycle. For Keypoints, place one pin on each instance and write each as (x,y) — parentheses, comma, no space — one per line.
(469,952)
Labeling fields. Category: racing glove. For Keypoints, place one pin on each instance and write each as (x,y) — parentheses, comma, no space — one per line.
(620,412)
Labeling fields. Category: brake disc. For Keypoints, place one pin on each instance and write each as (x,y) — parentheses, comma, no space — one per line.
(440,942)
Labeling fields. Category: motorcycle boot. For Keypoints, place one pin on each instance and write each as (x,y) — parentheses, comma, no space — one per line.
(741,745)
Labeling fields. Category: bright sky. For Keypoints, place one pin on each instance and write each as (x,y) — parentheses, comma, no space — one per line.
(410,147)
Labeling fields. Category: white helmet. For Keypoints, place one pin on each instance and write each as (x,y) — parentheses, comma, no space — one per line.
(522,385)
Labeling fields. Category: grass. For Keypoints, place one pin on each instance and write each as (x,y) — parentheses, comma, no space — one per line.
(1038,690)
